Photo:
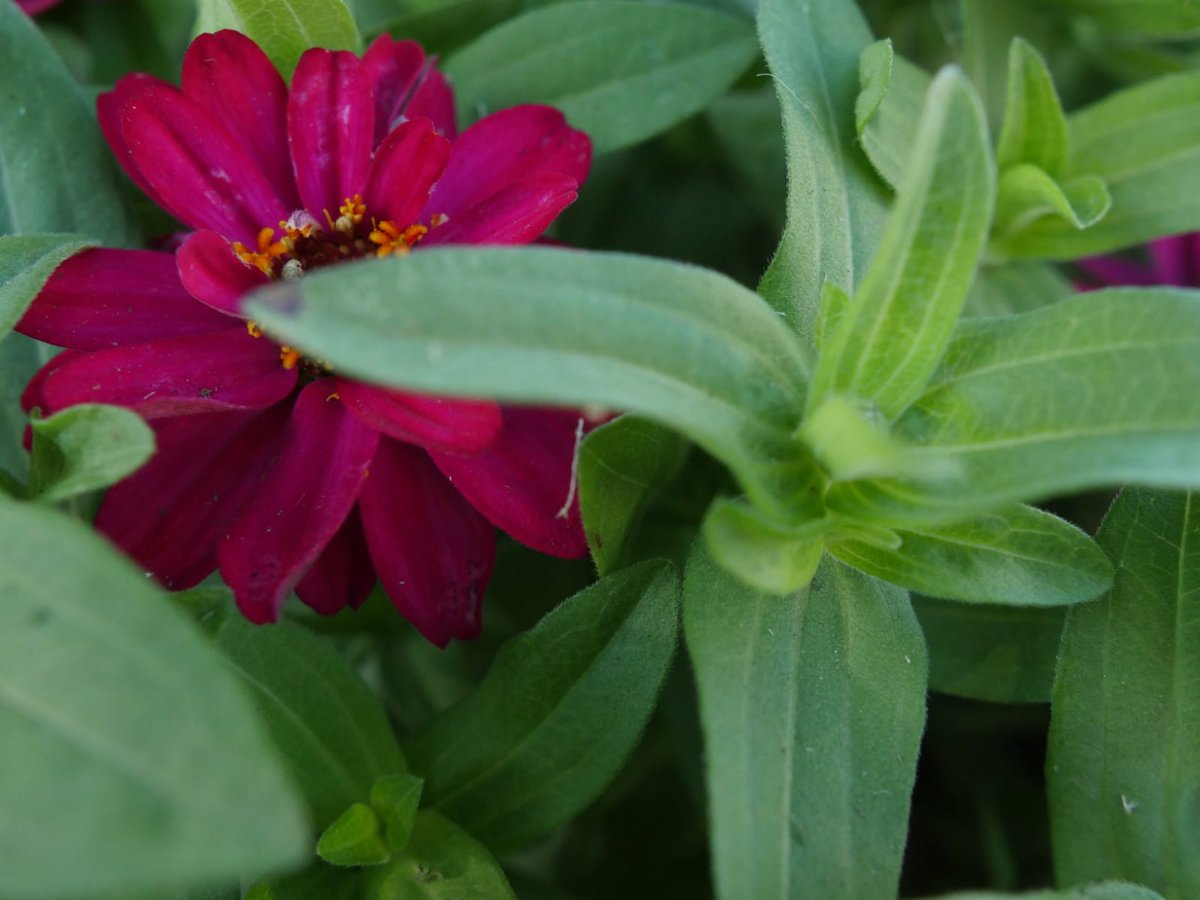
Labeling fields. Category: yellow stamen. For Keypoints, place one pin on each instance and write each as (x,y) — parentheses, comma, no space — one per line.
(268,251)
(334,396)
(288,357)
(389,239)
(252,329)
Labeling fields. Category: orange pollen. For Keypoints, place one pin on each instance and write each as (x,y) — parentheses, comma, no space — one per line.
(289,358)
(269,250)
(252,329)
(389,238)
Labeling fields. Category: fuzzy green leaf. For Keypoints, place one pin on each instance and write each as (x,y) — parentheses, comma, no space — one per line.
(85,448)
(889,108)
(354,839)
(762,554)
(1035,129)
(283,28)
(1028,194)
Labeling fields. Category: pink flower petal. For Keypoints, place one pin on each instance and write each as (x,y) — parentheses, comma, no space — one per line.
(523,482)
(405,85)
(516,214)
(331,120)
(432,551)
(304,500)
(342,575)
(406,166)
(1109,271)
(110,108)
(438,423)
(171,514)
(228,75)
(32,397)
(110,298)
(505,147)
(199,172)
(213,274)
(222,370)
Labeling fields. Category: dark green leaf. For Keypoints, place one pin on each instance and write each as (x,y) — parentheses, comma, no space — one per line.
(26,262)
(56,174)
(395,799)
(813,706)
(1148,17)
(1001,654)
(85,448)
(327,724)
(1085,393)
(679,344)
(442,862)
(283,28)
(132,759)
(1124,759)
(835,206)
(1016,555)
(746,124)
(621,71)
(558,713)
(1035,129)
(621,465)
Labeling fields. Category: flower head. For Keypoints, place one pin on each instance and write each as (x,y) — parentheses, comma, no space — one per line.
(271,467)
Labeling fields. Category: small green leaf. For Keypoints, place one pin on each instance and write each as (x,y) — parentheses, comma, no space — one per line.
(56,174)
(999,654)
(558,713)
(283,28)
(353,839)
(889,108)
(26,262)
(621,465)
(1084,393)
(1016,555)
(835,204)
(623,72)
(896,328)
(1027,194)
(1035,129)
(812,706)
(395,799)
(328,725)
(679,344)
(133,762)
(1123,767)
(762,554)
(441,862)
(85,448)
(1144,143)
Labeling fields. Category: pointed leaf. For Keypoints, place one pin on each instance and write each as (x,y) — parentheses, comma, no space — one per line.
(813,706)
(26,262)
(283,28)
(85,448)
(889,108)
(395,799)
(1027,194)
(896,328)
(835,205)
(132,760)
(625,72)
(354,839)
(1035,129)
(442,862)
(558,713)
(1017,555)
(1083,393)
(679,344)
(1124,759)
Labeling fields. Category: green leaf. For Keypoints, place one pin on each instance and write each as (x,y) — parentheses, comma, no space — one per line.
(1109,890)
(889,108)
(1016,555)
(1163,18)
(20,357)
(682,345)
(132,760)
(395,799)
(747,127)
(892,335)
(1123,767)
(442,862)
(26,262)
(988,29)
(621,465)
(1027,194)
(621,71)
(56,174)
(353,839)
(1144,143)
(560,710)
(761,553)
(835,205)
(812,706)
(999,654)
(1085,393)
(328,726)
(85,448)
(283,28)
(1035,129)
(1015,287)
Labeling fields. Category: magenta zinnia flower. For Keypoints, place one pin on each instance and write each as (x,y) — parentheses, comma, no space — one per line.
(270,467)
(1173,261)
(34,7)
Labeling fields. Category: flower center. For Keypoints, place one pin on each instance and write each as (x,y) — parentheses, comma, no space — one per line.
(306,245)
